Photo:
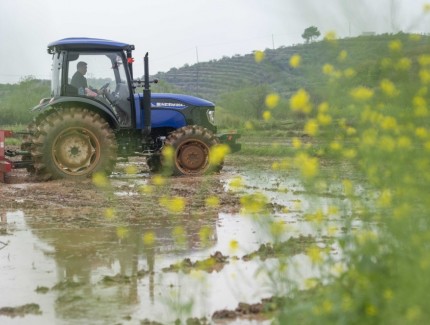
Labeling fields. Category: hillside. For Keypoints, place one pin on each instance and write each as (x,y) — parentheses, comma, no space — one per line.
(213,79)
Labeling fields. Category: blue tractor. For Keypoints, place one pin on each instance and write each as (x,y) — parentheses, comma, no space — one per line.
(95,115)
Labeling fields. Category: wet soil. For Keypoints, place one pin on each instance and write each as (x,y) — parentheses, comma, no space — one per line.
(20,311)
(133,196)
(97,238)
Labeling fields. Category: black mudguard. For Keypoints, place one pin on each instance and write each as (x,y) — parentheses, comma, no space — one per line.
(86,102)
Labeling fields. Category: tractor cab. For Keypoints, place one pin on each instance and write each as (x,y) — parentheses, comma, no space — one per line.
(96,72)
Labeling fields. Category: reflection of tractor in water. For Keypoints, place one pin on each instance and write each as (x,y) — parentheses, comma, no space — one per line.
(81,130)
(103,271)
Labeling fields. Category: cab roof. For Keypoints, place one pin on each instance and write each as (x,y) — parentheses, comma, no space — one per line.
(85,43)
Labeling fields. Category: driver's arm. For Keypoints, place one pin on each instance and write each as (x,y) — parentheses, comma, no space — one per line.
(90,92)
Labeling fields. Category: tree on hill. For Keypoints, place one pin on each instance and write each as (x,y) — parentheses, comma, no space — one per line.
(310,34)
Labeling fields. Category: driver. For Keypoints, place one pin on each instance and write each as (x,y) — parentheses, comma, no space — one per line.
(80,82)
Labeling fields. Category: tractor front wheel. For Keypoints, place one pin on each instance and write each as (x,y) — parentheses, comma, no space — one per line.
(188,150)
(73,142)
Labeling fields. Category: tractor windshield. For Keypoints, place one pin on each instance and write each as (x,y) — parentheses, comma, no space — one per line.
(100,76)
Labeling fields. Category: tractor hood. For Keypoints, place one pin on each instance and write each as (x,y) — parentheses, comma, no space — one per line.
(178,101)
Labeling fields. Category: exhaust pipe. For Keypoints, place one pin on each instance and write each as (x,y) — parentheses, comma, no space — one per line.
(146,116)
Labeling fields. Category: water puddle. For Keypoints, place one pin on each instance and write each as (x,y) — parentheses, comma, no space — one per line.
(107,273)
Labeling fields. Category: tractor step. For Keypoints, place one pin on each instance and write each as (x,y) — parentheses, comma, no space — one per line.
(7,165)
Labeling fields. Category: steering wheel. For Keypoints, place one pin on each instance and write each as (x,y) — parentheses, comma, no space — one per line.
(104,86)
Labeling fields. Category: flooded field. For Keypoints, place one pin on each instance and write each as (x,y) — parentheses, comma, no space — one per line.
(78,253)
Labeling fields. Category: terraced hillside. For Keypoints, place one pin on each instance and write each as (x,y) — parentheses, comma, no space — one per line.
(217,77)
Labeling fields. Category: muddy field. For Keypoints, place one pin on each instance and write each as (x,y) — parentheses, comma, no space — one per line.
(125,252)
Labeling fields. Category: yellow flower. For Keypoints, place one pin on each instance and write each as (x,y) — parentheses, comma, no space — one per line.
(249,125)
(311,283)
(415,37)
(361,93)
(122,232)
(254,203)
(351,131)
(371,310)
(205,234)
(323,107)
(327,306)
(259,56)
(342,56)
(212,201)
(348,187)
(236,183)
(324,119)
(296,143)
(335,146)
(388,294)
(350,153)
(426,8)
(421,111)
(272,100)
(330,36)
(389,123)
(158,180)
(168,153)
(395,46)
(234,246)
(267,116)
(218,153)
(131,170)
(425,76)
(421,132)
(100,179)
(311,127)
(404,142)
(314,254)
(385,198)
(387,143)
(404,64)
(317,217)
(308,166)
(328,69)
(148,238)
(175,204)
(110,213)
(388,88)
(277,228)
(295,61)
(300,102)
(424,59)
(179,235)
(349,73)
(413,313)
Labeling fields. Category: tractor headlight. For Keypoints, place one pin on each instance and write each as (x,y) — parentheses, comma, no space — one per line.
(211,116)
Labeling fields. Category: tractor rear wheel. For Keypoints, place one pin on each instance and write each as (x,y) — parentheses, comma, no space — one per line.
(190,150)
(73,142)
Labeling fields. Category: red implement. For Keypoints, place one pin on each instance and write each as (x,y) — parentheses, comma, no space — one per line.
(5,164)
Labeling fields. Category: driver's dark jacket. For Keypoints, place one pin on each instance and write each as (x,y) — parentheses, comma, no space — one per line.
(80,82)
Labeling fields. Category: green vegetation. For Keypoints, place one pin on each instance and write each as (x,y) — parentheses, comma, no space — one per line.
(16,100)
(238,84)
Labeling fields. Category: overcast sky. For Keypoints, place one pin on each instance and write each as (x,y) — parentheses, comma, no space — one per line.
(178,32)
